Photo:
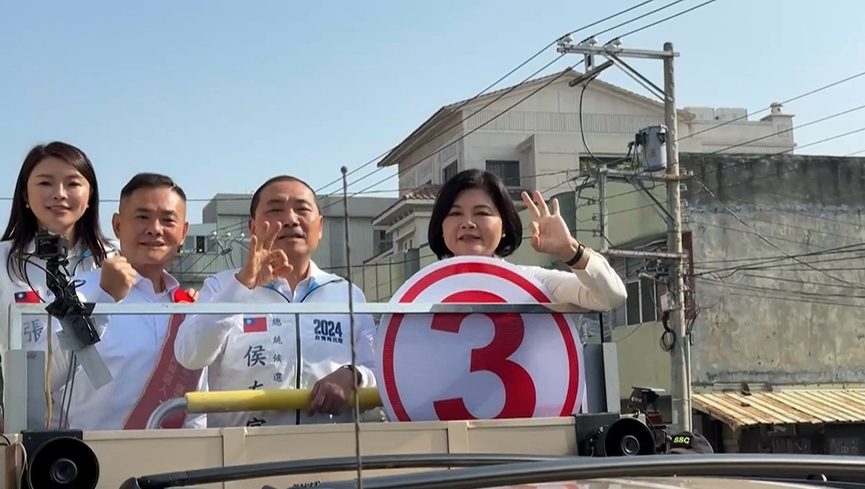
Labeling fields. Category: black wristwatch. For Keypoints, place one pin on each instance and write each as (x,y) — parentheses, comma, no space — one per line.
(356,373)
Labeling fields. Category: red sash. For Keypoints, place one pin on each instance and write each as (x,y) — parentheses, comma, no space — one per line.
(167,381)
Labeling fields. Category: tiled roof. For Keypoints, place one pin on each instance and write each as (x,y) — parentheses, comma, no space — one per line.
(427,192)
(794,406)
(567,73)
(424,193)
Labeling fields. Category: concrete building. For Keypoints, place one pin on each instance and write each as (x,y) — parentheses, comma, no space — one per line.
(774,306)
(220,241)
(537,144)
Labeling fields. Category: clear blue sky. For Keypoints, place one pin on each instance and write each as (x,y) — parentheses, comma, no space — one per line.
(223,94)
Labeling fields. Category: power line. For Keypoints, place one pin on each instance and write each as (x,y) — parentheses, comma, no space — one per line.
(227,231)
(767,240)
(402,172)
(745,143)
(546,84)
(813,143)
(240,226)
(795,296)
(549,82)
(464,103)
(714,127)
(756,263)
(238,198)
(793,99)
(248,197)
(481,126)
(639,29)
(482,92)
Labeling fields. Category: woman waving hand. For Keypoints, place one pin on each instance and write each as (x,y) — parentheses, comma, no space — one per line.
(474,216)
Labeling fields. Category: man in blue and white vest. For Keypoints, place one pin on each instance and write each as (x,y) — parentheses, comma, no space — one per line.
(272,351)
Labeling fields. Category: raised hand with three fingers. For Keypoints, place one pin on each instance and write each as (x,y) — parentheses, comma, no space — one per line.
(550,233)
(263,264)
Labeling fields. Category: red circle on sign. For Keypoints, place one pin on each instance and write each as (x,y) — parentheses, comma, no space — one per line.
(424,283)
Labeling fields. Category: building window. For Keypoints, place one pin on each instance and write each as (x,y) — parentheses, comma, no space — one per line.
(507,170)
(450,171)
(200,244)
(383,241)
(641,306)
(643,293)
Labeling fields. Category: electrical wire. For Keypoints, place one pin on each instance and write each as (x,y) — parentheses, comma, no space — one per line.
(223,251)
(483,92)
(555,77)
(737,145)
(552,79)
(181,269)
(800,296)
(65,403)
(390,263)
(789,100)
(773,175)
(543,191)
(712,128)
(764,260)
(657,22)
(487,89)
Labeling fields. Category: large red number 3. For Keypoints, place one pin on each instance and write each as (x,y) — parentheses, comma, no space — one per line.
(520,394)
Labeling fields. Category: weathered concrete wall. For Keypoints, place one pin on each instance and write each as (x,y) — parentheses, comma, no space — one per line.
(765,317)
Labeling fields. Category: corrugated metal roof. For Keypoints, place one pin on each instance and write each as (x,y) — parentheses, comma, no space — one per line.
(812,406)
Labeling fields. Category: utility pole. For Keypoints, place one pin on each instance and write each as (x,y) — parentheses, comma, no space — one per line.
(602,207)
(680,379)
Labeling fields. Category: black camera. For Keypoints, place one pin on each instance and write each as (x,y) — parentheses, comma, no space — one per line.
(79,332)
(643,399)
(51,247)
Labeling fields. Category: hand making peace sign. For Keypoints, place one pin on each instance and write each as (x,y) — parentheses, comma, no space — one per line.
(550,233)
(263,263)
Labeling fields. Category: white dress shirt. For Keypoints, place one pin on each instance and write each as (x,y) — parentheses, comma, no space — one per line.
(130,347)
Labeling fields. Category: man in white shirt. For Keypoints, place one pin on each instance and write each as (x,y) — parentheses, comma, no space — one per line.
(138,350)
(260,351)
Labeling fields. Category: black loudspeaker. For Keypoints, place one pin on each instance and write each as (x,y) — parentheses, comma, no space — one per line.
(625,437)
(59,459)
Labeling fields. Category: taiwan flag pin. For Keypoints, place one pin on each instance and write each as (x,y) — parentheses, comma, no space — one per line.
(27,297)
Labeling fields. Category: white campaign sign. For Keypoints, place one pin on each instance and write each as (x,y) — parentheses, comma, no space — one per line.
(446,367)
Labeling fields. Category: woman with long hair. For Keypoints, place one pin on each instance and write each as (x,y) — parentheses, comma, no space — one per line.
(474,215)
(56,191)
